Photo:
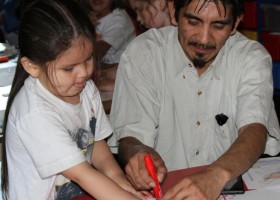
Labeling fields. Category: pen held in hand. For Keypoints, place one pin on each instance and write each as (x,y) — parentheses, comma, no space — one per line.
(152,172)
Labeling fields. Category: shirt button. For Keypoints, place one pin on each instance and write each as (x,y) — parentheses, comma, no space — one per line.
(184,76)
(190,65)
(197,152)
(199,93)
(198,123)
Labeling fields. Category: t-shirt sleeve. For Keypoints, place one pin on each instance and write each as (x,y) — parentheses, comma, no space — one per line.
(103,128)
(254,95)
(48,142)
(136,103)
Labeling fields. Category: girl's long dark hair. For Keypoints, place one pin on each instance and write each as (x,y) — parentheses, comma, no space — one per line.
(47,28)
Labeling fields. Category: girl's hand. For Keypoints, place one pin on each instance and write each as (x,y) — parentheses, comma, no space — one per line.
(123,183)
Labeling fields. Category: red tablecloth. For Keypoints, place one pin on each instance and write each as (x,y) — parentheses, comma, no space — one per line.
(172,178)
(84,197)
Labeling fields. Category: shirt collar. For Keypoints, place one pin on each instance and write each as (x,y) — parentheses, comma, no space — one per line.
(180,58)
(217,64)
(220,62)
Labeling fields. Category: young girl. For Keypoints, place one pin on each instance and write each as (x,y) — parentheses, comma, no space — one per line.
(55,126)
(151,13)
(115,30)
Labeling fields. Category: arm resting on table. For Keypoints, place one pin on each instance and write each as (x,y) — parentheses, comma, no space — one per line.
(243,153)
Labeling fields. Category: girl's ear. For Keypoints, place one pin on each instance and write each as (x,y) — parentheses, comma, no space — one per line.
(171,10)
(30,67)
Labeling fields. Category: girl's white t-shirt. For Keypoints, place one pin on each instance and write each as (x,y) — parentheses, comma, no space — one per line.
(46,136)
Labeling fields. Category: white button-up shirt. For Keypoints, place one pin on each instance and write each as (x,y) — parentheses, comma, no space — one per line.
(160,100)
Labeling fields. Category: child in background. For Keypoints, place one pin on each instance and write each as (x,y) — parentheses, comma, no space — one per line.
(54,114)
(151,13)
(115,30)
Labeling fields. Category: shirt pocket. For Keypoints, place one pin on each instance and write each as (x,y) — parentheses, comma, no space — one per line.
(224,135)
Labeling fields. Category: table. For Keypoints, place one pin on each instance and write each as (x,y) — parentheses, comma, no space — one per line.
(7,72)
(171,179)
(174,176)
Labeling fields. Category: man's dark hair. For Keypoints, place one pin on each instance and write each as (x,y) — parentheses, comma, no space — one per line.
(237,7)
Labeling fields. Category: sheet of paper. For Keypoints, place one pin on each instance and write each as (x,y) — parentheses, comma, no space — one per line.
(227,197)
(4,92)
(261,194)
(264,173)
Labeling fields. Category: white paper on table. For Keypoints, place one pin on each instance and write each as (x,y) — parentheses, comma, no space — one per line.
(271,193)
(264,173)
(4,92)
(227,197)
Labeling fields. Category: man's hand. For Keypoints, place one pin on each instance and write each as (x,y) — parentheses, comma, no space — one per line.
(137,173)
(204,185)
(131,156)
(208,184)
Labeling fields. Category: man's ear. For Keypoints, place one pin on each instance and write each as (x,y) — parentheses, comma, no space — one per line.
(31,68)
(238,20)
(171,10)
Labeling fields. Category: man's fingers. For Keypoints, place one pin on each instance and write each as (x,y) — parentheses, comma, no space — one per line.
(138,176)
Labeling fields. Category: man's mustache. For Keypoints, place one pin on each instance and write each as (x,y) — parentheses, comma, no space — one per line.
(200,45)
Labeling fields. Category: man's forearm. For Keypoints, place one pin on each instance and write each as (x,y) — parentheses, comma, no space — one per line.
(244,152)
(128,147)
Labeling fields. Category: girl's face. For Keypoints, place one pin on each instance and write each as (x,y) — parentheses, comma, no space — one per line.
(67,75)
(151,14)
(101,7)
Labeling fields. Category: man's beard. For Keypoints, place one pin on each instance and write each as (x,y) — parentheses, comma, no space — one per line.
(198,60)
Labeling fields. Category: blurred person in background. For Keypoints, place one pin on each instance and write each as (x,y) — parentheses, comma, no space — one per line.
(151,13)
(114,31)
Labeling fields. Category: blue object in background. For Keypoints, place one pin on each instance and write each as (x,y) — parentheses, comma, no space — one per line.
(276,75)
(10,20)
(276,78)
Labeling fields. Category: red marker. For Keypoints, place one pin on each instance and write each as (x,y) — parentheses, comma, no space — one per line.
(152,172)
(4,59)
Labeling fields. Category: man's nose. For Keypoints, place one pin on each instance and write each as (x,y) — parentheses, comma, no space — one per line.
(204,34)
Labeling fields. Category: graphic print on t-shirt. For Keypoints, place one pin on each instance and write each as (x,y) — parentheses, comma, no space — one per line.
(64,188)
